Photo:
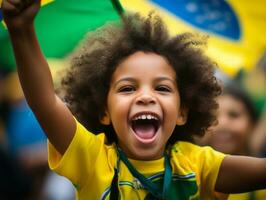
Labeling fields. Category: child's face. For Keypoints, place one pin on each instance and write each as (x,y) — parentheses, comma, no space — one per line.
(234,126)
(144,105)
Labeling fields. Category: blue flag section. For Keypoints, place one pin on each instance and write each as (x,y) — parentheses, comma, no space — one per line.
(236,28)
(214,16)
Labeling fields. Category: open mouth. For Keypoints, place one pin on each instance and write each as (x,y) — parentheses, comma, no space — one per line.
(145,126)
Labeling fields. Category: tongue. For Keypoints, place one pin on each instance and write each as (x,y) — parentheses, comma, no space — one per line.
(145,131)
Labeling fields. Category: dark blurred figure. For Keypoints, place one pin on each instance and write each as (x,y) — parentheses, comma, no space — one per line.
(14,181)
(24,172)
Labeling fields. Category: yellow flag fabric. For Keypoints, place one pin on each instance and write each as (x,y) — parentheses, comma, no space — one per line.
(236,28)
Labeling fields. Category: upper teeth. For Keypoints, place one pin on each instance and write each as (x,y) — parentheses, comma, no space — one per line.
(144,116)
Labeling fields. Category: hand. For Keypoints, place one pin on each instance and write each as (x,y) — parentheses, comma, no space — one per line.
(19,14)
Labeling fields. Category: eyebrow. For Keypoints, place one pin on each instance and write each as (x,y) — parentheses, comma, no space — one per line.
(164,78)
(131,79)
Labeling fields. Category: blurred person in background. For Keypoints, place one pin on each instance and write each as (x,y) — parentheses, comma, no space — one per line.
(255,82)
(23,153)
(25,141)
(3,107)
(258,140)
(14,181)
(236,121)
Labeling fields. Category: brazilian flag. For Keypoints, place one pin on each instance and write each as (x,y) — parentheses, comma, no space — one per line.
(60,25)
(236,28)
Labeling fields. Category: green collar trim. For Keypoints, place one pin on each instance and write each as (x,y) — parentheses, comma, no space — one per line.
(157,192)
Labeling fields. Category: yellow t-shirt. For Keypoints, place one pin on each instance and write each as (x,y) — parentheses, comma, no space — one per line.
(89,163)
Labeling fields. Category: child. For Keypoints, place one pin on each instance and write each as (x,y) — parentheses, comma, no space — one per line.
(236,121)
(145,91)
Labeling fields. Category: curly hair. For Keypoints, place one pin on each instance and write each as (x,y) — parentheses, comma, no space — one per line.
(86,84)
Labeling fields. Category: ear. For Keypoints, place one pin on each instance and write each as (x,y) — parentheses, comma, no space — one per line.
(105,120)
(182,117)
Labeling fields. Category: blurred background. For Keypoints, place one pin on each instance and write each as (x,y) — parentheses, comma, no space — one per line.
(237,43)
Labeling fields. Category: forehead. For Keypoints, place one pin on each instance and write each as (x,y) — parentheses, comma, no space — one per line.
(144,65)
(229,102)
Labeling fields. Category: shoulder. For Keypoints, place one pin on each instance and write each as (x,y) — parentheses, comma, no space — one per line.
(188,147)
(82,134)
(194,152)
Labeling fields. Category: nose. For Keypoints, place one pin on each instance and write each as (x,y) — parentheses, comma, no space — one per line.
(145,97)
(223,120)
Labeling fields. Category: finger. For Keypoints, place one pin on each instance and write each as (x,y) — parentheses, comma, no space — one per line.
(25,3)
(34,6)
(9,8)
(30,2)
(17,3)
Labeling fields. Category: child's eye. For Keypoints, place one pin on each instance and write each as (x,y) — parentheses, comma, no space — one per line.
(163,88)
(126,89)
(233,114)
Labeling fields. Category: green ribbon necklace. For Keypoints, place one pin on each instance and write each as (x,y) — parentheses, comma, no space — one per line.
(157,192)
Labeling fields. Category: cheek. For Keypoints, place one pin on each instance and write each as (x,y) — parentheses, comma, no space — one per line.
(242,127)
(173,111)
(174,106)
(118,108)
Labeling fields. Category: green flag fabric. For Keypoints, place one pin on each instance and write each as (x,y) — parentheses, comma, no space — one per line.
(60,25)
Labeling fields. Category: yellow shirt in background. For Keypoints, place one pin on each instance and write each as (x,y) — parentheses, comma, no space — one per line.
(256,195)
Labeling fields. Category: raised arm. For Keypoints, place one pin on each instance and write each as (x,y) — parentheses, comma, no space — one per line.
(34,74)
(241,174)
